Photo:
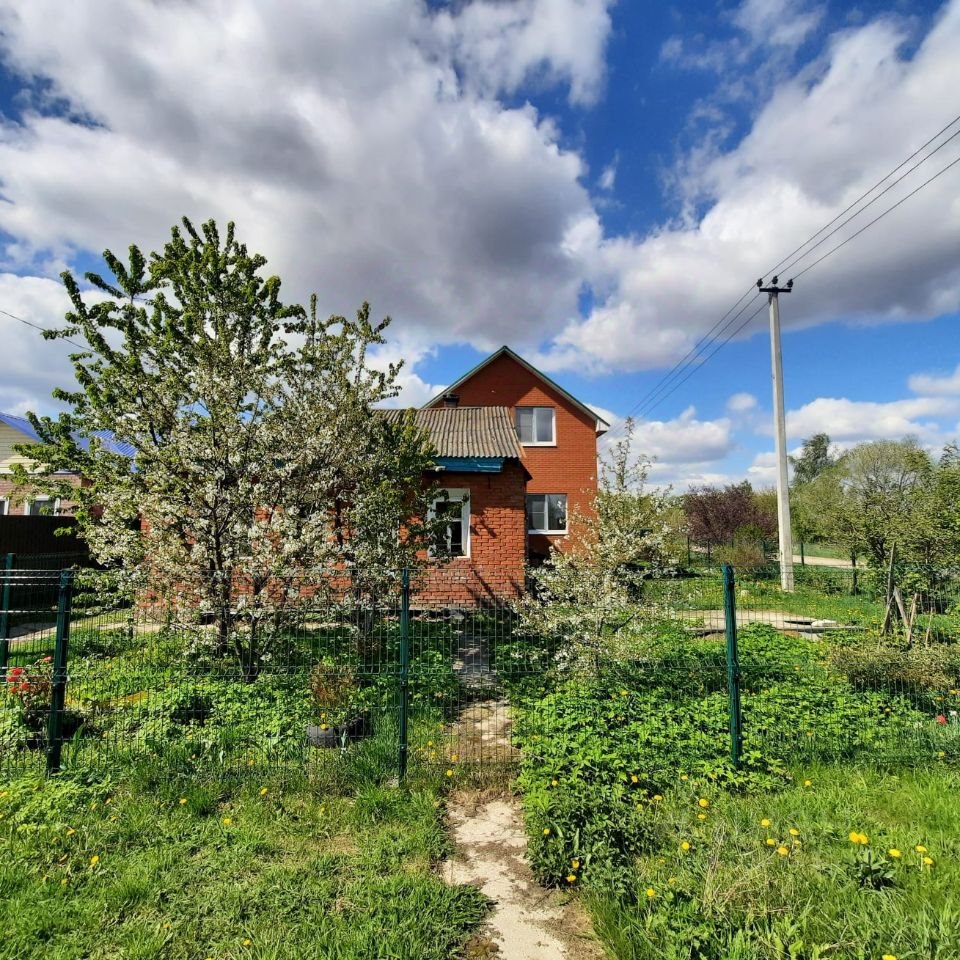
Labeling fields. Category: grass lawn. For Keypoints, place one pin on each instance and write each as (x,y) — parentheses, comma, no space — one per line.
(775,875)
(137,868)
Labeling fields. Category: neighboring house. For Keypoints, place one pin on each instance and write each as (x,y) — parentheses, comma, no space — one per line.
(557,434)
(15,431)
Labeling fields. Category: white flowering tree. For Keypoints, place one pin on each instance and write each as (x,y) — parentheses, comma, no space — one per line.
(227,441)
(587,593)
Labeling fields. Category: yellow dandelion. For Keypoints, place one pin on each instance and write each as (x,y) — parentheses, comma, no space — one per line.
(683,776)
(634,778)
(920,848)
(263,791)
(575,864)
(928,861)
(765,822)
(889,956)
(771,842)
(797,843)
(794,832)
(571,878)
(247,942)
(701,816)
(63,882)
(227,821)
(808,783)
(70,831)
(783,851)
(546,831)
(703,802)
(94,860)
(651,893)
(554,783)
(449,772)
(454,757)
(657,798)
(685,846)
(182,801)
(894,853)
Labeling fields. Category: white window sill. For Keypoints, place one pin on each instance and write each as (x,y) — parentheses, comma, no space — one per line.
(552,443)
(549,533)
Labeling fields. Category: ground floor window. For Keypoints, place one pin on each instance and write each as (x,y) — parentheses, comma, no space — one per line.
(453,505)
(4,506)
(41,507)
(546,513)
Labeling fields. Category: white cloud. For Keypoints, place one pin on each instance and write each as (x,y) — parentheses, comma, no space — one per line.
(360,147)
(608,176)
(947,385)
(25,384)
(853,421)
(784,23)
(741,402)
(824,136)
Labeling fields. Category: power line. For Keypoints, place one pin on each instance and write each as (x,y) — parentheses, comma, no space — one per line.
(721,325)
(36,326)
(806,269)
(889,209)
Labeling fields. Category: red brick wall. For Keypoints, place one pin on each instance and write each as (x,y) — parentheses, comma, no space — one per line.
(8,489)
(571,466)
(494,569)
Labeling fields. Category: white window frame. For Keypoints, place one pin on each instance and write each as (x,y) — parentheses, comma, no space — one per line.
(547,512)
(4,506)
(552,442)
(27,504)
(454,495)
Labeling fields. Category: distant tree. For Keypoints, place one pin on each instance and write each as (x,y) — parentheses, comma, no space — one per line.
(815,457)
(721,514)
(227,440)
(870,498)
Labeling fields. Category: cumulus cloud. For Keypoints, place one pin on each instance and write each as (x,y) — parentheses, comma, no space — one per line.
(361,147)
(947,385)
(384,151)
(853,421)
(826,135)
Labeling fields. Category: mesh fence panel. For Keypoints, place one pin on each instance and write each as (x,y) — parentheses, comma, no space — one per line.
(835,669)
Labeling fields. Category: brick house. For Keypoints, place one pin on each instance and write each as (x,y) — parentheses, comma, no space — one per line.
(557,435)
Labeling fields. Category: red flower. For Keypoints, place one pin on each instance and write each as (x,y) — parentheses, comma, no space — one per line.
(14,674)
(48,659)
(941,718)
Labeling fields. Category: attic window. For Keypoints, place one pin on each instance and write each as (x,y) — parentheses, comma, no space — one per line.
(536,426)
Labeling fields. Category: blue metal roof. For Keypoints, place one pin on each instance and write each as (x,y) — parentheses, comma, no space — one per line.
(106,437)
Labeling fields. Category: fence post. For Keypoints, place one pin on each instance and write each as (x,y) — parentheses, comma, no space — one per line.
(58,689)
(5,601)
(404,669)
(733,665)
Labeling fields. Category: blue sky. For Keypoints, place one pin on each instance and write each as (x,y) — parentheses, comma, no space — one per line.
(593,183)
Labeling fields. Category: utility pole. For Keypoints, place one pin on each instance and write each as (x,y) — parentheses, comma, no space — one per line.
(780,431)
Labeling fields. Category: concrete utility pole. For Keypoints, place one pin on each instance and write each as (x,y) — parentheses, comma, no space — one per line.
(780,431)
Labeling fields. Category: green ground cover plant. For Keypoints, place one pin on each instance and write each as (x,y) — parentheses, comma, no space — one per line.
(630,796)
(140,865)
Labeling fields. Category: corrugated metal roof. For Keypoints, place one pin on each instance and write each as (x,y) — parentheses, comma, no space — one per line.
(467,431)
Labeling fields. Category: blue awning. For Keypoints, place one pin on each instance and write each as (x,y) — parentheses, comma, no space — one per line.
(471,464)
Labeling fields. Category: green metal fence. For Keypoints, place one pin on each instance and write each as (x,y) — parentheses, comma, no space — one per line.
(440,674)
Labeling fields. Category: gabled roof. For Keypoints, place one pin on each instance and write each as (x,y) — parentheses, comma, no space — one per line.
(106,437)
(602,425)
(467,431)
